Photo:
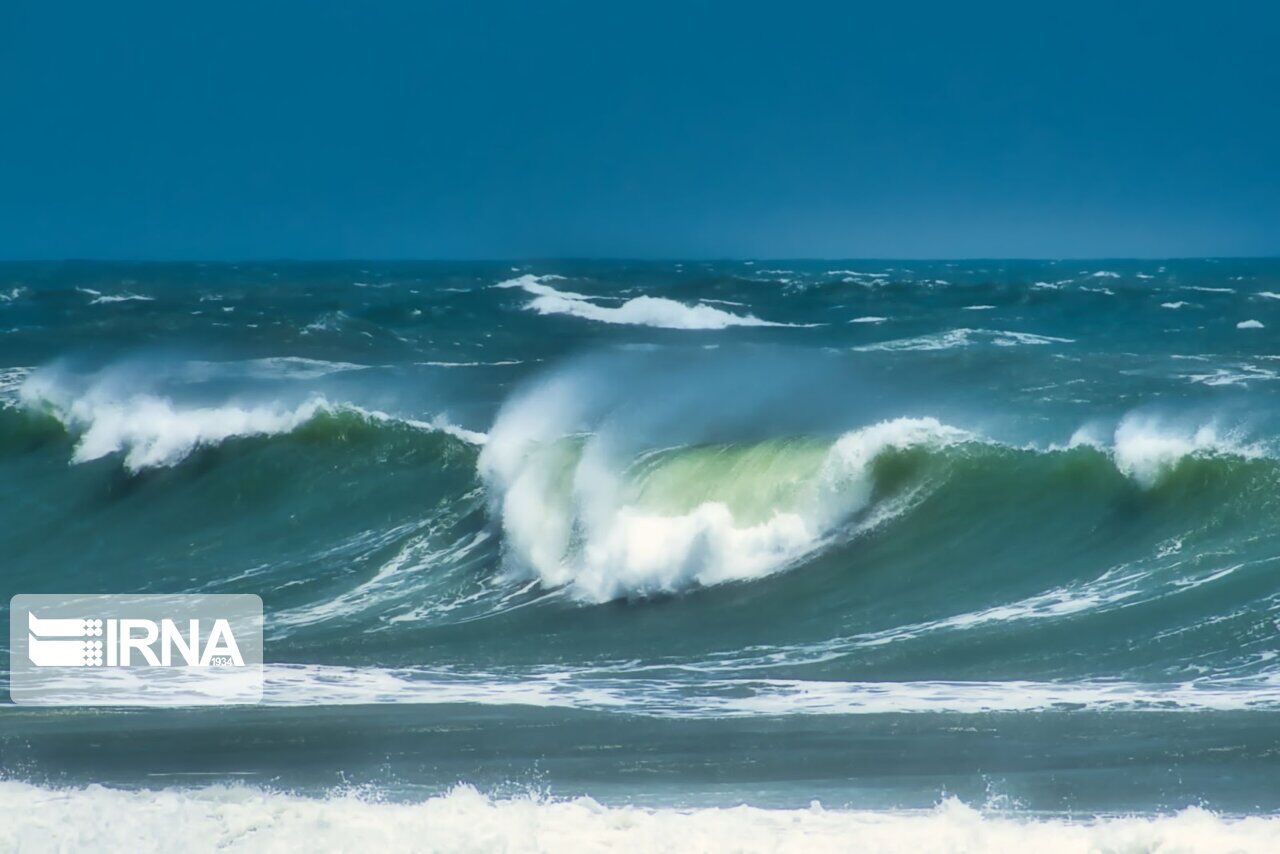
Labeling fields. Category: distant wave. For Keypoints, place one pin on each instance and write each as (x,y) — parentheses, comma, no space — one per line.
(332,321)
(248,818)
(639,311)
(965,338)
(270,368)
(125,297)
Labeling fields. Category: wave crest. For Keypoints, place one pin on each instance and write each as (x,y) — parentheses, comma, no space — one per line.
(1147,448)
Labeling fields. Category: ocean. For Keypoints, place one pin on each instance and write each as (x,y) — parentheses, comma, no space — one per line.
(564,555)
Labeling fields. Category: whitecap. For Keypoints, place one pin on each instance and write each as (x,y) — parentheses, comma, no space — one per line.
(965,338)
(658,312)
(1147,447)
(125,297)
(153,431)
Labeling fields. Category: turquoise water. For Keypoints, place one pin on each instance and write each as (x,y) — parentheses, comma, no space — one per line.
(675,535)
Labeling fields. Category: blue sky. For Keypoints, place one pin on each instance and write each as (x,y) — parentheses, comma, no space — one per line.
(657,129)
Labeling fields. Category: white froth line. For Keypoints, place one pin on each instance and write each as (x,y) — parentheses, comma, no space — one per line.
(324,685)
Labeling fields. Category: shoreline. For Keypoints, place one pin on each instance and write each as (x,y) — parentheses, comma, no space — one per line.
(239,817)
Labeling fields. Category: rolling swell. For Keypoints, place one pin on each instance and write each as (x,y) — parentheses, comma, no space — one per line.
(907,551)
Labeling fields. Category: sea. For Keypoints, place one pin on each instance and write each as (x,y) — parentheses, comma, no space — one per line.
(661,555)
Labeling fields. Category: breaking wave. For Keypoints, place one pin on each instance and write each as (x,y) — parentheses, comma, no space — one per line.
(693,516)
(152,431)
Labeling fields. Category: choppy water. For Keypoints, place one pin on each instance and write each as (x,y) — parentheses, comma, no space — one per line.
(676,535)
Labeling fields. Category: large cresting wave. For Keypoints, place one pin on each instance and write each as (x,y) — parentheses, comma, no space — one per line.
(670,519)
(585,507)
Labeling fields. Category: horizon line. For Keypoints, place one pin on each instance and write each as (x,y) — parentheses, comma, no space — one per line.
(725,259)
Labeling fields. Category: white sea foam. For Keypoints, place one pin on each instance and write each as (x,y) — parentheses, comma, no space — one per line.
(245,818)
(714,696)
(869,319)
(110,298)
(11,380)
(12,294)
(965,338)
(1178,304)
(1106,274)
(332,321)
(978,307)
(857,273)
(638,311)
(1115,587)
(1269,294)
(1239,375)
(418,558)
(270,368)
(1249,324)
(497,364)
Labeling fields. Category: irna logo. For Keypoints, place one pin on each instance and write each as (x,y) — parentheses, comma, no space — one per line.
(135,649)
(95,642)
